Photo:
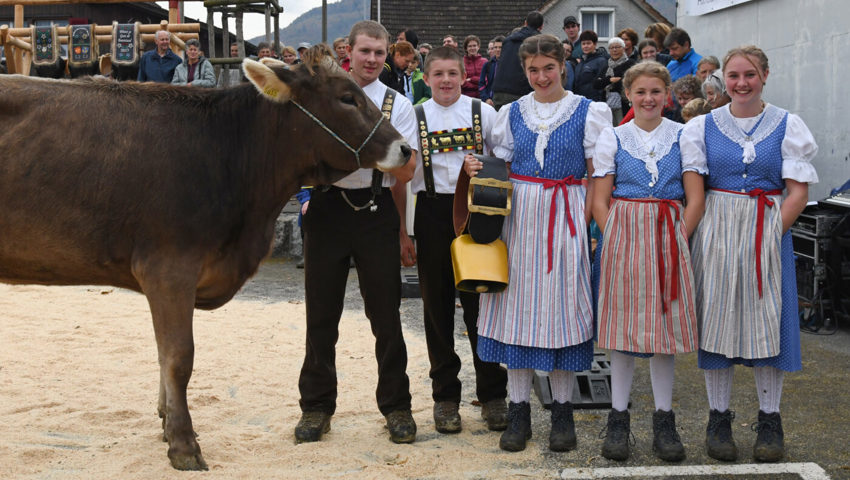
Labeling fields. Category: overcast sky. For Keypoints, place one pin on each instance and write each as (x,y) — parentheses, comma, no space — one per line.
(254,23)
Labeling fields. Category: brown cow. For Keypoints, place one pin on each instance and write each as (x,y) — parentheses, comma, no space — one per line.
(170,191)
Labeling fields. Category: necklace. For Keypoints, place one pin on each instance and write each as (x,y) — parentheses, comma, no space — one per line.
(545,121)
(644,137)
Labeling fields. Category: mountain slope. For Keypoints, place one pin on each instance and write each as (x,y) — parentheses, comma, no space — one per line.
(308,27)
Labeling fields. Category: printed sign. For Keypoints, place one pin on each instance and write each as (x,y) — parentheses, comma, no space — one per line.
(701,7)
(43,43)
(125,43)
(80,50)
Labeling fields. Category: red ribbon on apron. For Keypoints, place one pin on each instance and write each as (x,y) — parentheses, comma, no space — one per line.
(761,195)
(557,185)
(664,215)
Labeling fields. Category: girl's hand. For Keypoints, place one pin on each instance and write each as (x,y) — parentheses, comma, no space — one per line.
(471,165)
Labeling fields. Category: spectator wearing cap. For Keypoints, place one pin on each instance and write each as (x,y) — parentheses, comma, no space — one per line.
(510,81)
(573,30)
(302,47)
(195,71)
(685,59)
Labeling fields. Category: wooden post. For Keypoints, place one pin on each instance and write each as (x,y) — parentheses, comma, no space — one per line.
(211,35)
(277,34)
(21,66)
(267,23)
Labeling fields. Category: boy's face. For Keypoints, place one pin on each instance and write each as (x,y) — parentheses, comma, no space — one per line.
(445,78)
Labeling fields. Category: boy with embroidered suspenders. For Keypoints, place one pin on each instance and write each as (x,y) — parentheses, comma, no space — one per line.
(449,126)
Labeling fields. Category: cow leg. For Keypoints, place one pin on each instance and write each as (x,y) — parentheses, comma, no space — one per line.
(172,304)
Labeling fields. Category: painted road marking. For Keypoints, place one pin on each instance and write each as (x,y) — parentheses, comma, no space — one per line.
(806,471)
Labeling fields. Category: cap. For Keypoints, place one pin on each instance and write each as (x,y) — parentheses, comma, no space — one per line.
(570,19)
(303,45)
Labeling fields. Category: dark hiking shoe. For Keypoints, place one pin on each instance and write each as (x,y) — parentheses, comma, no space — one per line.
(562,438)
(718,436)
(770,443)
(666,442)
(312,426)
(402,427)
(518,430)
(495,413)
(616,444)
(446,417)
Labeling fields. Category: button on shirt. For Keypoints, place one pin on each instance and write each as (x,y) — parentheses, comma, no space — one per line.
(446,166)
(403,119)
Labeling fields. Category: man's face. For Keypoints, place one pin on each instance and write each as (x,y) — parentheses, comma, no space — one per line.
(678,52)
(572,31)
(234,50)
(704,71)
(449,42)
(424,51)
(162,41)
(301,52)
(367,58)
(264,52)
(497,50)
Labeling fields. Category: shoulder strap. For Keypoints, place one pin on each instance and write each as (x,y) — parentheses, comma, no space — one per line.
(476,126)
(387,112)
(425,151)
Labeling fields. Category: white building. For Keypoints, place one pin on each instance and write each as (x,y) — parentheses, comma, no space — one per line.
(808,46)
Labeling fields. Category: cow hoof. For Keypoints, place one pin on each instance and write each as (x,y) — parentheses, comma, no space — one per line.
(187,461)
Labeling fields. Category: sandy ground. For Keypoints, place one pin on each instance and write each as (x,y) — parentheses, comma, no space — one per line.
(79,379)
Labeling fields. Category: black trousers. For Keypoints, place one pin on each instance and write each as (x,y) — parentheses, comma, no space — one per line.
(333,233)
(434,235)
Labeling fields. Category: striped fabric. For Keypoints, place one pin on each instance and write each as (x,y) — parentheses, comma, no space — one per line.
(631,316)
(735,322)
(540,309)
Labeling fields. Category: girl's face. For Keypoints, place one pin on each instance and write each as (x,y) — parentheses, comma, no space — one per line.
(744,80)
(288,58)
(544,76)
(472,48)
(648,53)
(648,96)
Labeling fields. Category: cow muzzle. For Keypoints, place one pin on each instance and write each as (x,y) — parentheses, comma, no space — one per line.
(397,156)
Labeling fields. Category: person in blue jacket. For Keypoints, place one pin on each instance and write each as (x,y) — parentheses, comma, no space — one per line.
(159,65)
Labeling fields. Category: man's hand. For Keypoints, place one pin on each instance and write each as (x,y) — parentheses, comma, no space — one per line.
(408,251)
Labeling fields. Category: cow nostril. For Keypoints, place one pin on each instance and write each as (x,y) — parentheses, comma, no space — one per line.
(405,150)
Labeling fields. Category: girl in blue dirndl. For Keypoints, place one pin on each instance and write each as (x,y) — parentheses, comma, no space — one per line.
(741,251)
(543,320)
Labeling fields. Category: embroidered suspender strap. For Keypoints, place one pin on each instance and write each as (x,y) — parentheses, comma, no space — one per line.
(425,150)
(387,110)
(476,126)
(664,215)
(556,185)
(763,201)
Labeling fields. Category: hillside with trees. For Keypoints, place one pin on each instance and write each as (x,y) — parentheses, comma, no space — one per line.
(308,27)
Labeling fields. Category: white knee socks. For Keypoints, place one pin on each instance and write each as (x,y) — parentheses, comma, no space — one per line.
(561,382)
(769,386)
(519,384)
(622,373)
(661,373)
(718,386)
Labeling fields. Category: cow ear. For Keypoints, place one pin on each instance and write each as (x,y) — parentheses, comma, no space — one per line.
(273,62)
(266,81)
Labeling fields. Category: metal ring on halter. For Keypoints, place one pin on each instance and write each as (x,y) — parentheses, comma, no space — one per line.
(340,140)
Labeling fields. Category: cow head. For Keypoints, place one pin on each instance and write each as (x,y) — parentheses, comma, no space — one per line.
(345,129)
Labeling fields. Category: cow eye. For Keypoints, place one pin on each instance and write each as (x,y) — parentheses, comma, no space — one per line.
(348,99)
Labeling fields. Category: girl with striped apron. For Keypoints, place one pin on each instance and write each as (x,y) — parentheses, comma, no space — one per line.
(544,319)
(742,253)
(646,296)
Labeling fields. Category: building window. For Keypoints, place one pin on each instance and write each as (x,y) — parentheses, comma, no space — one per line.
(600,20)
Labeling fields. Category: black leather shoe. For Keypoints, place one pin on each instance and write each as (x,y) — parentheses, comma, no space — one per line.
(719,443)
(518,432)
(446,417)
(770,443)
(312,426)
(495,413)
(402,427)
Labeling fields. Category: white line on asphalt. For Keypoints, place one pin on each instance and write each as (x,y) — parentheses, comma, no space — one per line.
(807,471)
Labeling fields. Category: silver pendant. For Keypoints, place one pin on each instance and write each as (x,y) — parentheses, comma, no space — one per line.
(373,208)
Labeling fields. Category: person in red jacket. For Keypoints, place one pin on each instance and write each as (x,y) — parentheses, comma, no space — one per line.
(473,63)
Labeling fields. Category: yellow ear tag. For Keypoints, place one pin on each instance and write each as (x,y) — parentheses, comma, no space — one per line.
(272,92)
